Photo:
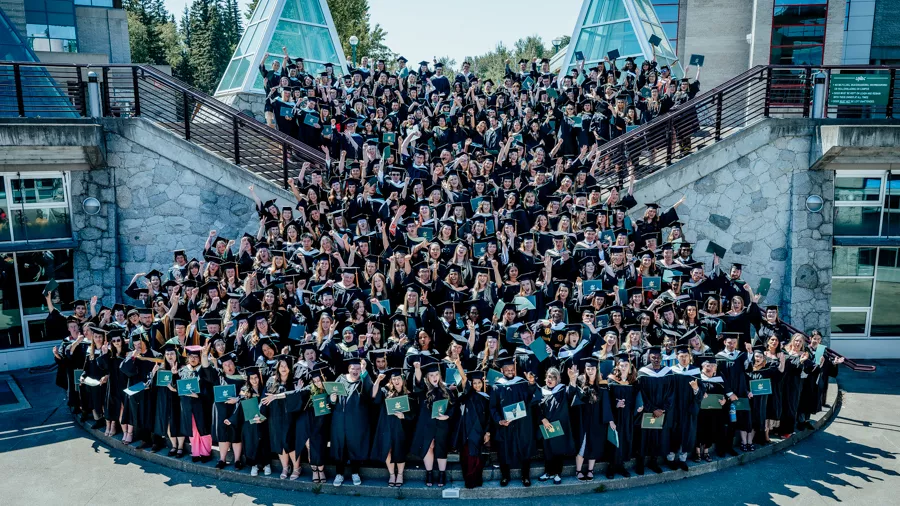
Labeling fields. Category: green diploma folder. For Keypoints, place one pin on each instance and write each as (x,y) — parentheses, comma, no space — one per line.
(650,422)
(386,304)
(76,375)
(320,404)
(137,387)
(398,404)
(189,386)
(389,137)
(761,386)
(335,388)
(514,411)
(711,401)
(222,393)
(163,378)
(251,409)
(539,347)
(612,436)
(742,404)
(555,430)
(820,352)
(439,408)
(493,375)
(651,283)
(451,376)
(311,119)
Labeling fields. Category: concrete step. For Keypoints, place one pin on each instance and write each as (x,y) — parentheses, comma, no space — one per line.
(375,478)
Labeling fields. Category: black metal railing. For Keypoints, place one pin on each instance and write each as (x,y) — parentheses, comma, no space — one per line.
(49,90)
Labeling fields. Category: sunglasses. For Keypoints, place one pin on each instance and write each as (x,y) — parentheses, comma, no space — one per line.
(117,340)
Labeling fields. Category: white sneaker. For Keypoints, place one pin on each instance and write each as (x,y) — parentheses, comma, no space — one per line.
(267,470)
(254,471)
(338,480)
(544,477)
(356,479)
(556,479)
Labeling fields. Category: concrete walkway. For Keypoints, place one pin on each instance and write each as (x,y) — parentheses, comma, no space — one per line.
(45,459)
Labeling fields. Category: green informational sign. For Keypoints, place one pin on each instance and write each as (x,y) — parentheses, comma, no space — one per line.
(850,89)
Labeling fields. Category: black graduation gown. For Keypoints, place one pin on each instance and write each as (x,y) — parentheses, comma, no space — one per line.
(254,436)
(657,392)
(167,412)
(733,369)
(117,382)
(625,418)
(430,429)
(774,400)
(281,430)
(685,407)
(391,433)
(474,421)
(554,406)
(140,405)
(96,395)
(221,410)
(516,441)
(308,426)
(74,361)
(759,403)
(596,413)
(193,409)
(711,422)
(350,420)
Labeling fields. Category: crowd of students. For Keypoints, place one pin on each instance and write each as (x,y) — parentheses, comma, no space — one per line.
(473,291)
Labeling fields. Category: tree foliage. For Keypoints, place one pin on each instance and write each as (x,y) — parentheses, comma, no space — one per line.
(351,17)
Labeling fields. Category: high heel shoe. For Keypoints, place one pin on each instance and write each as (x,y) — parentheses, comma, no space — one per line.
(399,482)
(442,478)
(429,479)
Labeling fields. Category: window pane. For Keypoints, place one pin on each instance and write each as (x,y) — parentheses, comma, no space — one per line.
(855,189)
(796,55)
(800,15)
(596,42)
(798,35)
(37,332)
(43,190)
(39,224)
(886,303)
(852,261)
(856,220)
(62,32)
(852,293)
(36,30)
(42,266)
(10,319)
(848,323)
(667,13)
(33,301)
(602,11)
(887,257)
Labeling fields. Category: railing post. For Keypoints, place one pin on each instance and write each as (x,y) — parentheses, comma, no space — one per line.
(137,93)
(284,163)
(93,96)
(889,111)
(818,100)
(670,138)
(719,116)
(807,88)
(187,116)
(768,97)
(106,106)
(237,142)
(20,99)
(82,97)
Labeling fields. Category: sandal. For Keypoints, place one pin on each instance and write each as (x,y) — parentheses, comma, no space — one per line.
(399,482)
(590,475)
(296,473)
(392,480)
(579,476)
(284,472)
(706,457)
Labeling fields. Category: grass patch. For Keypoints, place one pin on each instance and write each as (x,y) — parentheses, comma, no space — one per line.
(600,489)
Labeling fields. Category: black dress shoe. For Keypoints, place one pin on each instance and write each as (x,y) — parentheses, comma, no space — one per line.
(732,452)
(655,468)
(504,482)
(526,482)
(239,465)
(639,467)
(610,473)
(172,452)
(673,464)
(205,459)
(683,466)
(195,459)
(98,424)
(220,464)
(624,472)
(156,447)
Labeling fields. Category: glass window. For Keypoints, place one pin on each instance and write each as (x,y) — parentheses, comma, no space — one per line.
(666,13)
(886,303)
(602,11)
(887,257)
(42,266)
(800,15)
(853,261)
(51,24)
(38,191)
(856,220)
(848,323)
(596,42)
(11,335)
(33,301)
(852,292)
(42,223)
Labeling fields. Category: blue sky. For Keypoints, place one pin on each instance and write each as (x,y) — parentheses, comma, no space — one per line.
(411,24)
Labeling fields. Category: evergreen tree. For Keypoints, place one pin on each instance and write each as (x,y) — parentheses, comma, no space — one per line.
(251,6)
(351,17)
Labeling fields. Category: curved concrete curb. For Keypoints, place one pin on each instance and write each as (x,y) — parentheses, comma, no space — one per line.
(374,479)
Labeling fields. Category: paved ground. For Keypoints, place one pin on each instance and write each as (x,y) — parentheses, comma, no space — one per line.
(45,459)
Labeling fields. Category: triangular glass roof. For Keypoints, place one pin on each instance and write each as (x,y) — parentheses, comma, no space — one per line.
(626,25)
(41,94)
(305,27)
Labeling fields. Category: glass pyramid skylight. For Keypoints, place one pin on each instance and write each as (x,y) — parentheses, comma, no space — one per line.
(41,94)
(305,27)
(626,25)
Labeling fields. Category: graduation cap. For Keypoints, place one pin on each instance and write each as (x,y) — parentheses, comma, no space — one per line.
(654,350)
(431,367)
(226,357)
(505,361)
(591,362)
(352,361)
(194,350)
(731,335)
(475,375)
(682,348)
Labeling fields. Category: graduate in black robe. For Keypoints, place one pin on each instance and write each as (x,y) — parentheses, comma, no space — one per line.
(760,369)
(139,367)
(310,427)
(274,408)
(431,439)
(685,408)
(627,405)
(390,442)
(515,436)
(711,423)
(591,434)
(733,365)
(350,422)
(657,394)
(193,421)
(167,408)
(93,384)
(111,361)
(223,435)
(474,426)
(551,404)
(254,433)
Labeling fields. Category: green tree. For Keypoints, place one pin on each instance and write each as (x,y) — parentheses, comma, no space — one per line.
(248,13)
(493,63)
(351,17)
